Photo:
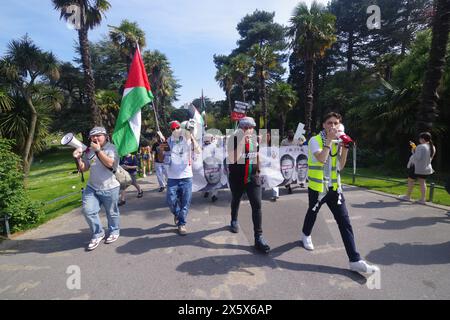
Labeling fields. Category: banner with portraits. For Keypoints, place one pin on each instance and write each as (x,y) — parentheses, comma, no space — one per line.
(279,166)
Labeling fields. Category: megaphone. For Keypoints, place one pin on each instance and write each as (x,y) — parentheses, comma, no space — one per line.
(69,139)
(342,137)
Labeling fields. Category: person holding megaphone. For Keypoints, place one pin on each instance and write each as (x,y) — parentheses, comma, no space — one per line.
(327,155)
(101,158)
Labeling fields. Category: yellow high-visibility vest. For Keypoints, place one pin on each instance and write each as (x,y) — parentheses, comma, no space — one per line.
(315,168)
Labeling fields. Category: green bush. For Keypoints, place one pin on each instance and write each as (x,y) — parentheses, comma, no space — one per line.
(13,199)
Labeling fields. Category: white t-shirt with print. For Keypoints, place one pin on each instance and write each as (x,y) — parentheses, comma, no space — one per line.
(180,166)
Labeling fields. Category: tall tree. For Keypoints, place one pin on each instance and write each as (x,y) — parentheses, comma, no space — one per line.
(283,98)
(224,76)
(259,28)
(312,33)
(163,83)
(241,66)
(351,29)
(91,12)
(125,37)
(441,27)
(264,61)
(23,66)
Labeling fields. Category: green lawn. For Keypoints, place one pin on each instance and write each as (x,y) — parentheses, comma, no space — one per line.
(52,176)
(396,184)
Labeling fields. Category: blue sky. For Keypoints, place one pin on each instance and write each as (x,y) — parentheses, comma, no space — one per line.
(189,32)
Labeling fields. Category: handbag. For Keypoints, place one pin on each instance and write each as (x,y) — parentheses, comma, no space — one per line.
(123,176)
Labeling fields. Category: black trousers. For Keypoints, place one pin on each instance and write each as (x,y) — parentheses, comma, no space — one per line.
(340,214)
(254,194)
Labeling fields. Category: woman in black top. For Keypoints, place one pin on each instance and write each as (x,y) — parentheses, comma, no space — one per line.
(244,177)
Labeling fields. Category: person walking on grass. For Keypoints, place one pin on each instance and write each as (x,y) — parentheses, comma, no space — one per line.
(419,166)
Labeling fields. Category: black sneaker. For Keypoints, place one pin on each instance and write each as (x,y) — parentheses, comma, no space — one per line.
(161,189)
(140,194)
(213,198)
(206,195)
(234,226)
(121,203)
(261,245)
(289,190)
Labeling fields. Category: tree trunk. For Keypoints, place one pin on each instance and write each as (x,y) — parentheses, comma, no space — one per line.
(309,91)
(350,51)
(283,121)
(27,150)
(88,76)
(441,26)
(406,32)
(230,107)
(264,99)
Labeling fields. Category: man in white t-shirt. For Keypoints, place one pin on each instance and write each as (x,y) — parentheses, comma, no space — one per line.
(325,161)
(178,159)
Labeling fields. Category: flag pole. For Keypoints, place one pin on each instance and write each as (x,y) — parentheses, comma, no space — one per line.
(152,104)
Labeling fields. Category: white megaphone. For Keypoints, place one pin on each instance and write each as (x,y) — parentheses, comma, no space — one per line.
(69,139)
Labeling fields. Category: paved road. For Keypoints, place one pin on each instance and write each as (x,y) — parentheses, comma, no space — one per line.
(410,243)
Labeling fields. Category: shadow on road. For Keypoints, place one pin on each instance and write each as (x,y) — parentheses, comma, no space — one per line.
(223,264)
(59,243)
(380,204)
(411,253)
(409,223)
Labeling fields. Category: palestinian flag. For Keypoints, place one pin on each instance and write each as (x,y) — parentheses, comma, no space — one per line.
(137,93)
(200,123)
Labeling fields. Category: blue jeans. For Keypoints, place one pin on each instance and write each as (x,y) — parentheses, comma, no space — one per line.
(179,195)
(92,200)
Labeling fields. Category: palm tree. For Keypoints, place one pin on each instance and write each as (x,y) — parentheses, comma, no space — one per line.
(441,27)
(91,12)
(283,98)
(264,61)
(241,66)
(312,33)
(23,66)
(109,105)
(125,37)
(5,101)
(224,76)
(162,81)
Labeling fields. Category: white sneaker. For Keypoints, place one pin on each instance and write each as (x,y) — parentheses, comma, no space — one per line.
(307,242)
(404,197)
(363,267)
(112,238)
(95,242)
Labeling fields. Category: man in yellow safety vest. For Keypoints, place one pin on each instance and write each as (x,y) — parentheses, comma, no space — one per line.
(326,158)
